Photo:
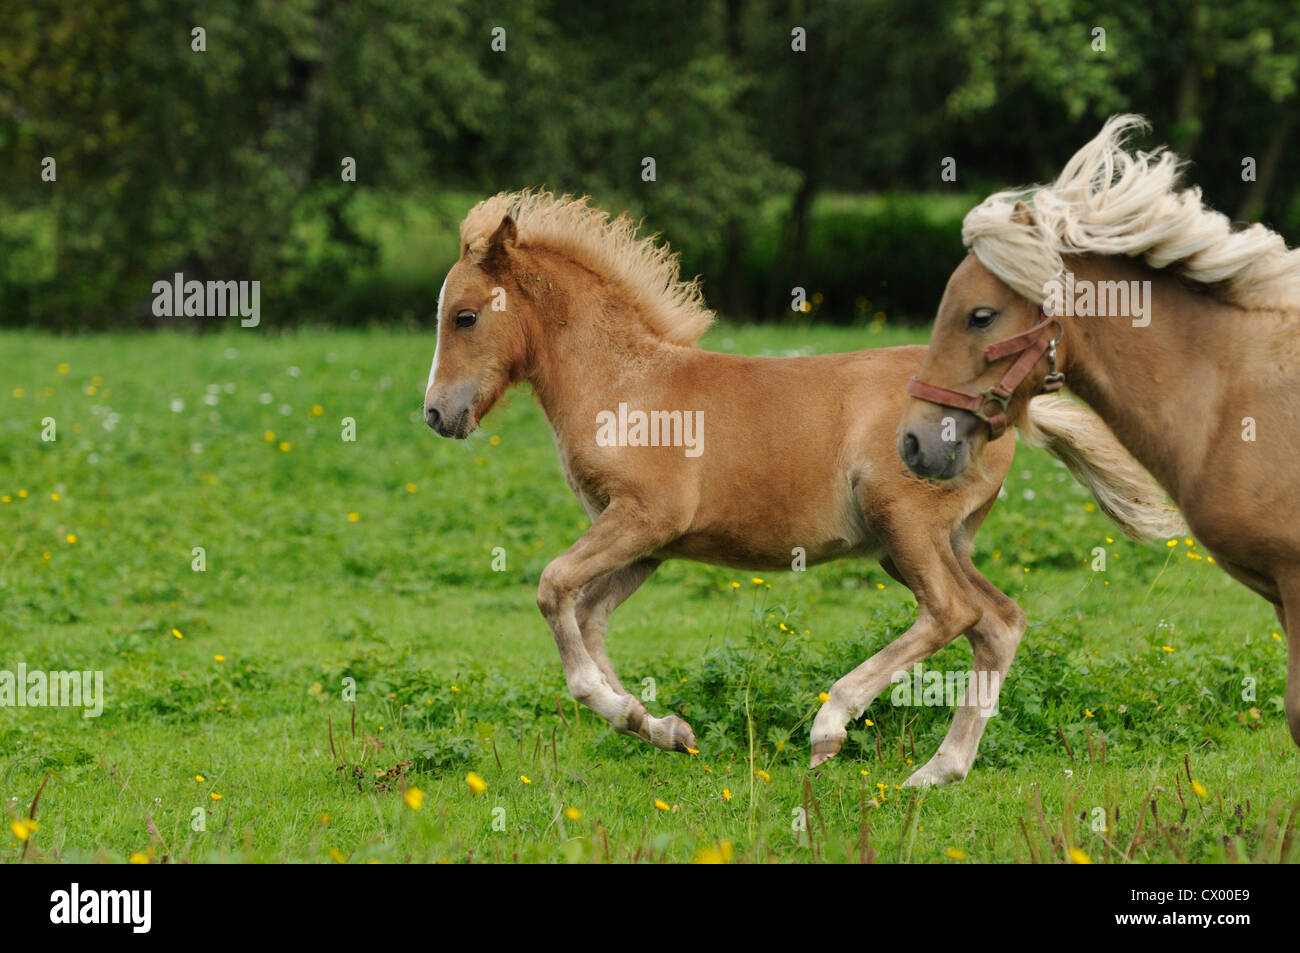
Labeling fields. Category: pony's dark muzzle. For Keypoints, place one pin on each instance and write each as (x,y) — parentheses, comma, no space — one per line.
(929,456)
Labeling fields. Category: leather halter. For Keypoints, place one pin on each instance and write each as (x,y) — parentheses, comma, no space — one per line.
(1030,345)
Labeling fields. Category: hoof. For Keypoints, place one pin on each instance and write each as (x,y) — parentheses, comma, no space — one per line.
(823,751)
(683,738)
(931,775)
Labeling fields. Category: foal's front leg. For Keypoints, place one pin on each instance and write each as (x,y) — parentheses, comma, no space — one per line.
(601,597)
(622,534)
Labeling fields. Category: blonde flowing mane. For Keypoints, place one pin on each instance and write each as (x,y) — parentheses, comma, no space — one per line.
(1110,202)
(650,272)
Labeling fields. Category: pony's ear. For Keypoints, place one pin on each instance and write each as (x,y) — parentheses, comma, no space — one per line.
(501,243)
(1022,214)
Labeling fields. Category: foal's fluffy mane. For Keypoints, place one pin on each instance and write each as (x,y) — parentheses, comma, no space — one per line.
(650,272)
(1110,202)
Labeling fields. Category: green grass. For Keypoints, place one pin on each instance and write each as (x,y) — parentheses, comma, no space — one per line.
(455,671)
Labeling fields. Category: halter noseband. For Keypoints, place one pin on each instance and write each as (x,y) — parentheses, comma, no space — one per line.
(1030,345)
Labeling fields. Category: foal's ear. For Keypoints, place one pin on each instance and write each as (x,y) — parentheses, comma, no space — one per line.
(1022,214)
(500,243)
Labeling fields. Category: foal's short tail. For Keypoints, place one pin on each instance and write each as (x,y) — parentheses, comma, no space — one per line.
(1121,486)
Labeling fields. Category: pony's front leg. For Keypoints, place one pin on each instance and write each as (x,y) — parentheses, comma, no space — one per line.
(618,537)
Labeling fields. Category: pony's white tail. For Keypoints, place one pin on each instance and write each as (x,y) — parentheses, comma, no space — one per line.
(1122,487)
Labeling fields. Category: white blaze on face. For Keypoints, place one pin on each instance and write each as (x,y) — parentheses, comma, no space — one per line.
(434,368)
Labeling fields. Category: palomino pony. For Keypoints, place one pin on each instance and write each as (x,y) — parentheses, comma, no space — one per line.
(1183,334)
(676,452)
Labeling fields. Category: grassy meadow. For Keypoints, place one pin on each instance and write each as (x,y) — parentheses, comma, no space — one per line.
(1141,721)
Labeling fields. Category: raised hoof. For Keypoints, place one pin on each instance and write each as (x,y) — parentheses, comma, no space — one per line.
(683,738)
(823,751)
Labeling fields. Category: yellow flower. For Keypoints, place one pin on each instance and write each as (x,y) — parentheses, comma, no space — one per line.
(572,813)
(734,585)
(865,772)
(1189,541)
(526,779)
(411,488)
(317,410)
(1087,713)
(823,697)
(1166,648)
(215,796)
(661,805)
(710,854)
(1199,789)
(24,828)
(414,798)
(6,498)
(64,368)
(199,778)
(139,858)
(353,517)
(726,794)
(756,581)
(764,775)
(476,784)
(22,494)
(337,856)
(177,633)
(18,392)
(1172,543)
(1276,636)
(54,497)
(71,538)
(1079,856)
(269,436)
(494,440)
(955,853)
(219,658)
(1089,507)
(880,585)
(285,446)
(868,722)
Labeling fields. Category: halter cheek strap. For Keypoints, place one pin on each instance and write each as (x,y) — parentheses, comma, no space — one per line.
(1030,345)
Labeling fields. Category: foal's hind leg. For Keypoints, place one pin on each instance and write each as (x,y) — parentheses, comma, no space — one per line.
(929,567)
(599,598)
(994,640)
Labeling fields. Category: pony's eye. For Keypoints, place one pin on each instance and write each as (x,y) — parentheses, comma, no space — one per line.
(982,317)
(466,319)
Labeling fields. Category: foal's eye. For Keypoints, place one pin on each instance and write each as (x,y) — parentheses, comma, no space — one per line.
(982,317)
(466,319)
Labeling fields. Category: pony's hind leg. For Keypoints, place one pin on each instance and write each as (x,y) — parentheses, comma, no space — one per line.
(599,598)
(994,640)
(945,609)
(621,535)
